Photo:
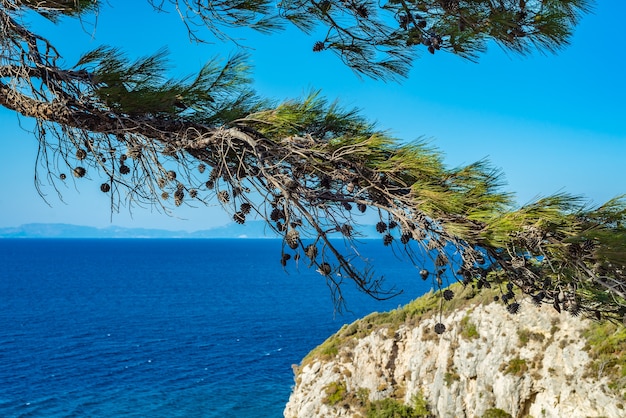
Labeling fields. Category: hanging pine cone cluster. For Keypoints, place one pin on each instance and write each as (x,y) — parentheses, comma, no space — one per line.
(277,215)
(448,294)
(124,169)
(239,218)
(201,168)
(62,176)
(508,296)
(179,195)
(387,240)
(105,187)
(81,154)
(311,251)
(79,172)
(381,227)
(245,208)
(424,274)
(318,46)
(362,207)
(193,193)
(440,328)
(513,308)
(284,259)
(223,196)
(324,269)
(405,238)
(171,175)
(292,238)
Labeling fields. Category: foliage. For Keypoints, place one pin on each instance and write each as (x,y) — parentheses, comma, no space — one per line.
(516,366)
(392,408)
(382,39)
(468,329)
(335,393)
(524,335)
(496,413)
(311,168)
(606,345)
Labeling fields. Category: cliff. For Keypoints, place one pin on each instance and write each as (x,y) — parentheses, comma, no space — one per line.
(537,363)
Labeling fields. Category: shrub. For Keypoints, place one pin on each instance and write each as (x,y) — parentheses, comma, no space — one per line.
(335,393)
(516,366)
(496,413)
(468,329)
(392,408)
(606,345)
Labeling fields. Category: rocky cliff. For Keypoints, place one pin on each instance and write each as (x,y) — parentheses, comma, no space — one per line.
(488,362)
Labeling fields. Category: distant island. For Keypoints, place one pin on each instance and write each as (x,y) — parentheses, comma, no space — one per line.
(252,229)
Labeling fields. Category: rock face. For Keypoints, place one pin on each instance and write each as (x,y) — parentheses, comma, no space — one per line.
(534,363)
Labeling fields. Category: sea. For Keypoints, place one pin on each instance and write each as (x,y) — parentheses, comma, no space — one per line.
(168,327)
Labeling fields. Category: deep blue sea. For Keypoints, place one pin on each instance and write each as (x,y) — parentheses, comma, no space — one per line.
(165,328)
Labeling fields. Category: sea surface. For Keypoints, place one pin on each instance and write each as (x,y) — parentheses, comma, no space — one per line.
(165,327)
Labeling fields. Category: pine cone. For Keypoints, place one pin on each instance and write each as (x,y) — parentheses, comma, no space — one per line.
(223,196)
(81,154)
(292,237)
(239,217)
(79,172)
(324,269)
(311,251)
(387,239)
(245,208)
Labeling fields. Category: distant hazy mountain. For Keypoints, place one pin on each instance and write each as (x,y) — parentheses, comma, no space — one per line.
(253,229)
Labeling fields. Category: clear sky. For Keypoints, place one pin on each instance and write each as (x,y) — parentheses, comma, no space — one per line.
(551,123)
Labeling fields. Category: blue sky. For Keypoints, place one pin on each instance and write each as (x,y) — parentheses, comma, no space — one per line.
(551,123)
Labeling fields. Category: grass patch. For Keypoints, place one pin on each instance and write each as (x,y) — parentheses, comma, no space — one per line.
(525,336)
(496,413)
(516,366)
(335,393)
(451,377)
(606,345)
(392,408)
(468,329)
